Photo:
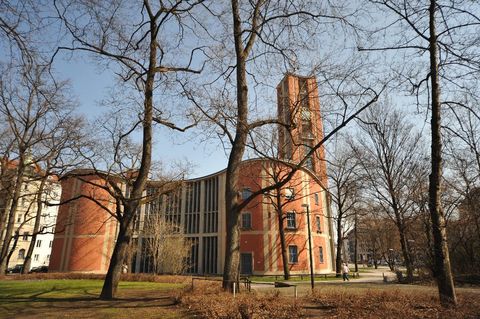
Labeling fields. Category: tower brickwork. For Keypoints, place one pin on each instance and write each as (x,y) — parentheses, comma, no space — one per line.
(299,108)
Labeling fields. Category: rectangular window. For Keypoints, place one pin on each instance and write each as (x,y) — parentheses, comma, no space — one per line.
(246,221)
(318,224)
(289,193)
(35,257)
(291,222)
(246,192)
(39,243)
(19,218)
(25,235)
(21,254)
(316,198)
(320,253)
(292,254)
(50,244)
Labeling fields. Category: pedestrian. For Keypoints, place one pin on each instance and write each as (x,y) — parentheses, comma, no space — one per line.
(345,271)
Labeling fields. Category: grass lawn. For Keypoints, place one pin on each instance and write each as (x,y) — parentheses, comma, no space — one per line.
(294,278)
(79,299)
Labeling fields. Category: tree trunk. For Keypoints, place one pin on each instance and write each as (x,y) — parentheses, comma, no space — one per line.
(231,271)
(443,273)
(5,192)
(14,246)
(406,252)
(338,260)
(28,257)
(281,232)
(112,278)
(130,205)
(355,250)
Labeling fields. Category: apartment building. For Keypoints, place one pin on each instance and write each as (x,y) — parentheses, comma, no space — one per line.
(25,215)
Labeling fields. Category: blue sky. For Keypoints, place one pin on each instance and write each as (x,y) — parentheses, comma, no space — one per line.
(90,84)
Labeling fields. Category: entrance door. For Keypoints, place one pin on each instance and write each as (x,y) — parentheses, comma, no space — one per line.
(246,263)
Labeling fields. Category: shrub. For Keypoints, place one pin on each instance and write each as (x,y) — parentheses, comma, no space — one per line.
(124,277)
(209,301)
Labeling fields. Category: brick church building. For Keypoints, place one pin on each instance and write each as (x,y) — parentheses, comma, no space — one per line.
(88,232)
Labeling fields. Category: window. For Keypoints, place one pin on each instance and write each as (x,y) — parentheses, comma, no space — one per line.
(39,243)
(292,254)
(315,196)
(21,254)
(246,192)
(48,257)
(320,253)
(19,218)
(305,113)
(35,257)
(50,244)
(291,222)
(25,235)
(318,224)
(246,220)
(289,193)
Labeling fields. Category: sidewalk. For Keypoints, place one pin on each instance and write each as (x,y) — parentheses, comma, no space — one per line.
(372,276)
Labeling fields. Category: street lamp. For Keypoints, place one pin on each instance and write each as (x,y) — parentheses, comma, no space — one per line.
(312,282)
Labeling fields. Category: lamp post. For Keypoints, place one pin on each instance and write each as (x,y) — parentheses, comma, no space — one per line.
(312,282)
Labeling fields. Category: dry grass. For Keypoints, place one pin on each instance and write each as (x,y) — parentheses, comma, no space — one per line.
(209,301)
(392,303)
(142,296)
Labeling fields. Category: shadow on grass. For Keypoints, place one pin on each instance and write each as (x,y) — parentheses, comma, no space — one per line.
(166,300)
(88,299)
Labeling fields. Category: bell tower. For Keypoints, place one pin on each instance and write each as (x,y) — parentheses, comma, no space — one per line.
(299,106)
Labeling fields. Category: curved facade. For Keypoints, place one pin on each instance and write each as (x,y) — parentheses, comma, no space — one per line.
(198,208)
(85,232)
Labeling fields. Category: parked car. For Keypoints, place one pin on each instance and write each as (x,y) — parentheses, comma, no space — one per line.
(39,269)
(15,269)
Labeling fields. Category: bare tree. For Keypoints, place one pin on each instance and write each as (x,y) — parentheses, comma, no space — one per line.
(344,184)
(35,109)
(379,237)
(138,40)
(433,37)
(167,246)
(390,153)
(260,32)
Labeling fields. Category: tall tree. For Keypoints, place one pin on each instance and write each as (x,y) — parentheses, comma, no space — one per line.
(35,109)
(390,153)
(439,38)
(344,184)
(143,42)
(260,32)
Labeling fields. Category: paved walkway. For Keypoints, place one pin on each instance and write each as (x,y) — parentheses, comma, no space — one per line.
(372,276)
